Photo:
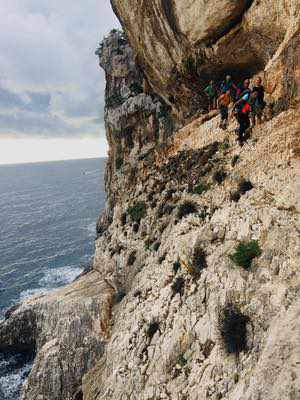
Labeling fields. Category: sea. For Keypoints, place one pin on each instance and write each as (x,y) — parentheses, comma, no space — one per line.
(48,214)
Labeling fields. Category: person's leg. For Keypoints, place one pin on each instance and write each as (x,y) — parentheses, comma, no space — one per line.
(225,118)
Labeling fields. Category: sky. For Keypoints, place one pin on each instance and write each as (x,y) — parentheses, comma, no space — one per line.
(51,86)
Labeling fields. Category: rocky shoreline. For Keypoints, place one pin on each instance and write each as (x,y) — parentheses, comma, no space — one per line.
(194,291)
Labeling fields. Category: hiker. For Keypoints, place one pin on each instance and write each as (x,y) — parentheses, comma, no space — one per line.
(242,109)
(228,84)
(211,93)
(259,104)
(244,89)
(223,103)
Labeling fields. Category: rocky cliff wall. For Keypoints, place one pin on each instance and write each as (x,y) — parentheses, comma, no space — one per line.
(166,312)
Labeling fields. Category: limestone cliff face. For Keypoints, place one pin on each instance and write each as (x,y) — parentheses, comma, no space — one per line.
(166,313)
(136,119)
(181,43)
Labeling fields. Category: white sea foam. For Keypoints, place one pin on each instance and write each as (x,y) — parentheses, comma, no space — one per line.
(10,384)
(26,294)
(60,276)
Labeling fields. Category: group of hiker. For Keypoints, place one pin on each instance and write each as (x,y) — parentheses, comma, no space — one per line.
(248,103)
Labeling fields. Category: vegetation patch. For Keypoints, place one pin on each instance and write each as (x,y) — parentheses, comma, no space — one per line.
(178,286)
(201,188)
(245,186)
(115,100)
(136,88)
(137,211)
(235,196)
(245,252)
(225,145)
(186,208)
(233,329)
(219,176)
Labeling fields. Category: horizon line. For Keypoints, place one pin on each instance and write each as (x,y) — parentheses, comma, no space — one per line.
(51,161)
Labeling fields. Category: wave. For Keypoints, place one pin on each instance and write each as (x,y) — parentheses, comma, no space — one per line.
(60,276)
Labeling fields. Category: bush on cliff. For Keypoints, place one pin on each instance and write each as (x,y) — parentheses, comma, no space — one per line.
(186,208)
(137,211)
(245,252)
(233,329)
(219,176)
(201,188)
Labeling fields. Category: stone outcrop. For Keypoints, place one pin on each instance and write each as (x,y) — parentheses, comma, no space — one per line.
(67,329)
(166,312)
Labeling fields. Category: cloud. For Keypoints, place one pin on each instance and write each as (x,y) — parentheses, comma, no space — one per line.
(50,81)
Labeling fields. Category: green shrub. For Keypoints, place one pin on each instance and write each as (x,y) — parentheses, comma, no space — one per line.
(182,361)
(219,176)
(225,145)
(136,88)
(233,329)
(137,211)
(201,188)
(186,208)
(114,100)
(245,252)
(235,196)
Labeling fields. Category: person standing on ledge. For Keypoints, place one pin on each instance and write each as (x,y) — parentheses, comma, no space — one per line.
(228,84)
(223,103)
(259,104)
(211,93)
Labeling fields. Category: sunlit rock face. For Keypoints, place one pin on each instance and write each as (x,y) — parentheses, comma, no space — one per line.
(182,43)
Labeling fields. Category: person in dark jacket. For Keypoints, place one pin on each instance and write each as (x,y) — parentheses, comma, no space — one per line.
(259,104)
(242,109)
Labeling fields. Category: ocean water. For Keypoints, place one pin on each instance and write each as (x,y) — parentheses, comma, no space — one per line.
(48,214)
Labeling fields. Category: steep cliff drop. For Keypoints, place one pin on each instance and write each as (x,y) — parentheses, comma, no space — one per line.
(195,288)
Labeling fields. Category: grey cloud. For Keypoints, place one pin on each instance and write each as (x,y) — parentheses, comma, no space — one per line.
(50,81)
